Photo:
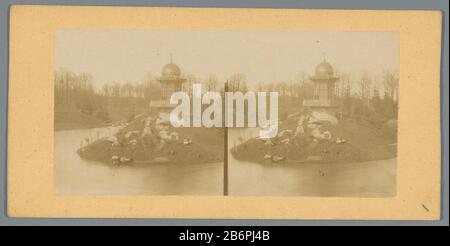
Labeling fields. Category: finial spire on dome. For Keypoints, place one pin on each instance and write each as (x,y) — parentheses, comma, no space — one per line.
(324,57)
(171,58)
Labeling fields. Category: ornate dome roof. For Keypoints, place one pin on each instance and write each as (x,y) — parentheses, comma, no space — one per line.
(171,70)
(324,68)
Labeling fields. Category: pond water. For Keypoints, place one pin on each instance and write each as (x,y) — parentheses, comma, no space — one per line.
(76,176)
(367,179)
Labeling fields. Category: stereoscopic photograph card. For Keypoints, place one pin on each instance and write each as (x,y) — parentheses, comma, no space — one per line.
(145,112)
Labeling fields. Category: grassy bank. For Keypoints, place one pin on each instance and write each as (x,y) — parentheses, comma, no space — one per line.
(72,119)
(68,120)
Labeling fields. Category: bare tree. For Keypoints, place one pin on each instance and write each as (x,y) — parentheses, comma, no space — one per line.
(282,86)
(151,88)
(190,80)
(269,86)
(391,82)
(212,82)
(260,86)
(237,82)
(364,85)
(345,84)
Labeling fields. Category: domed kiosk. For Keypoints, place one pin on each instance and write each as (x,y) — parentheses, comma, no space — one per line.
(324,99)
(324,69)
(171,81)
(171,70)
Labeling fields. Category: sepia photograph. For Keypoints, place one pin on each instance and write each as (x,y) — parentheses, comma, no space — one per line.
(337,115)
(297,113)
(261,114)
(112,110)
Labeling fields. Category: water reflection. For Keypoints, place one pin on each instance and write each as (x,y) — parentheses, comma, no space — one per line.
(75,176)
(368,179)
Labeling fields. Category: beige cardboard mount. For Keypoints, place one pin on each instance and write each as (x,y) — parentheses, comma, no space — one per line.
(30,123)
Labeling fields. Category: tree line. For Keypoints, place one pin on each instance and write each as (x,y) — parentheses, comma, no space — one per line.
(362,96)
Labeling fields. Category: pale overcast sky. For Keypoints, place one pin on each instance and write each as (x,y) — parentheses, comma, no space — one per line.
(264,56)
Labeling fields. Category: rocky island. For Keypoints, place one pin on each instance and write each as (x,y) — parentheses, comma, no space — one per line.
(318,138)
(147,140)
